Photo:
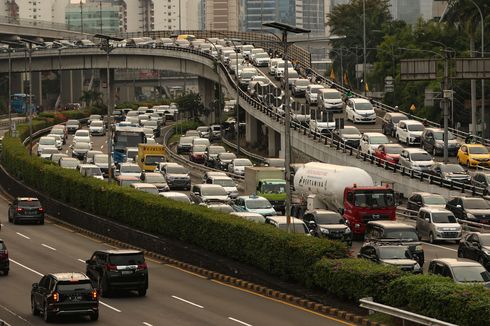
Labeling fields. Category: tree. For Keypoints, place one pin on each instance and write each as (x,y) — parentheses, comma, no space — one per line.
(92,96)
(191,102)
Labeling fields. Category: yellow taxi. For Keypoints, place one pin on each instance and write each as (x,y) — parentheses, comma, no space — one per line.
(473,155)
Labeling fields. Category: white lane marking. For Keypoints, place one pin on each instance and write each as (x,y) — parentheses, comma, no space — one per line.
(46,246)
(66,151)
(110,307)
(81,260)
(23,235)
(191,303)
(147,324)
(24,266)
(12,313)
(239,321)
(101,146)
(441,247)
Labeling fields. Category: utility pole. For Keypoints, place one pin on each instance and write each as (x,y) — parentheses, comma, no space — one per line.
(81,17)
(364,49)
(100,15)
(445,100)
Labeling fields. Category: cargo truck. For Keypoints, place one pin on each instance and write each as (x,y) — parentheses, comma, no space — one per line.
(267,182)
(348,190)
(149,155)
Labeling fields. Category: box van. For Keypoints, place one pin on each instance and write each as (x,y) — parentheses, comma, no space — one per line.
(90,170)
(330,99)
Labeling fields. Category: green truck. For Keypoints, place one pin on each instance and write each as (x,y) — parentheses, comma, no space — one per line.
(267,182)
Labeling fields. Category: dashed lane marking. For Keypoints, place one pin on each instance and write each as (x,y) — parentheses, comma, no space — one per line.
(49,247)
(239,321)
(188,302)
(23,235)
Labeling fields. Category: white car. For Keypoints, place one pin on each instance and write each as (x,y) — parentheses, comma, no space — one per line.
(409,132)
(359,110)
(273,65)
(281,65)
(238,165)
(59,140)
(370,141)
(416,159)
(129,169)
(97,128)
(311,93)
(47,152)
(261,59)
(46,142)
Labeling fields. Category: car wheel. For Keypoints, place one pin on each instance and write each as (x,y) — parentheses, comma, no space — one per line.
(104,289)
(15,220)
(9,217)
(460,253)
(94,316)
(46,315)
(431,238)
(142,292)
(41,222)
(468,165)
(34,309)
(434,152)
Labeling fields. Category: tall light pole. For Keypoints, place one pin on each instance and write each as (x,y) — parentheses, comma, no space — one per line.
(219,77)
(364,46)
(237,84)
(100,15)
(285,29)
(81,17)
(106,46)
(9,95)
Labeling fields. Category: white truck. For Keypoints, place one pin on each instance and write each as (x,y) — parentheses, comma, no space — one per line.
(348,190)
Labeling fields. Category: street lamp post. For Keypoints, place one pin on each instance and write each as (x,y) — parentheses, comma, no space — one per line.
(285,29)
(364,46)
(9,108)
(106,46)
(237,85)
(219,78)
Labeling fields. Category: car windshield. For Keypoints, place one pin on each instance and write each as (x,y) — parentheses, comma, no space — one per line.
(394,253)
(247,74)
(186,140)
(151,123)
(281,64)
(216,150)
(213,191)
(50,150)
(294,227)
(84,285)
(72,123)
(274,188)
(328,218)
(434,200)
(82,133)
(82,145)
(29,203)
(129,259)
(364,106)
(315,90)
(421,157)
(478,150)
(279,163)
(349,131)
(397,119)
(476,203)
(439,135)
(199,148)
(485,240)
(154,159)
(200,129)
(130,169)
(374,199)
(378,140)
(150,190)
(393,149)
(261,55)
(154,178)
(443,218)
(227,156)
(452,168)
(176,170)
(415,127)
(69,163)
(332,95)
(96,124)
(47,141)
(258,203)
(401,234)
(131,154)
(224,182)
(242,162)
(302,82)
(93,171)
(59,132)
(470,274)
(101,158)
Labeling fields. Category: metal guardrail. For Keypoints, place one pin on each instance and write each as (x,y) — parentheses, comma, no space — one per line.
(369,304)
(243,151)
(199,167)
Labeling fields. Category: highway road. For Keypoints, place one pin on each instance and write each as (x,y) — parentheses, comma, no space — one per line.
(175,297)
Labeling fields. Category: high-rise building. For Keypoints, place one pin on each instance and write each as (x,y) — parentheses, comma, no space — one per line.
(140,15)
(221,15)
(177,15)
(100,16)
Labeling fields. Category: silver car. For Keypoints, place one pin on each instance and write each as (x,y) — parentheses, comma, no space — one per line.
(437,224)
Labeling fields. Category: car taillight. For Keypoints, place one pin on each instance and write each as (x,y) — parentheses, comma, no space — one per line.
(142,266)
(111,267)
(4,253)
(56,297)
(19,210)
(40,209)
(93,295)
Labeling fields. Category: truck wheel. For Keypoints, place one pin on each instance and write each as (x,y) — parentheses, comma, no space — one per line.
(431,238)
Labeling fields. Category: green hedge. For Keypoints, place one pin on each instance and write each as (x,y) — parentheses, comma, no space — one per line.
(441,298)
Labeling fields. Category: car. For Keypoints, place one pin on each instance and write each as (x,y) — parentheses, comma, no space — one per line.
(177,196)
(204,131)
(359,110)
(460,271)
(121,269)
(416,159)
(47,152)
(389,153)
(209,174)
(156,179)
(185,144)
(450,173)
(390,122)
(145,187)
(201,141)
(212,153)
(273,65)
(295,224)
(476,246)
(261,59)
(61,131)
(46,142)
(254,204)
(55,158)
(27,209)
(482,180)
(473,209)
(129,169)
(328,224)
(222,160)
(237,166)
(205,193)
(220,207)
(280,68)
(390,254)
(330,99)
(177,176)
(432,140)
(275,162)
(79,150)
(311,93)
(396,232)
(90,170)
(245,76)
(437,224)
(473,155)
(97,128)
(292,76)
(102,161)
(409,132)
(89,157)
(227,183)
(197,154)
(349,135)
(94,117)
(370,141)
(192,133)
(64,294)
(252,217)
(126,180)
(215,133)
(299,86)
(68,163)
(4,259)
(59,140)
(153,125)
(72,126)
(417,200)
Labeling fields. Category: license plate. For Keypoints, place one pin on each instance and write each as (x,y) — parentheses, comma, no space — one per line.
(127,272)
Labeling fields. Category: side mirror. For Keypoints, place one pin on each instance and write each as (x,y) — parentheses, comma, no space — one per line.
(89,262)
(427,219)
(341,211)
(458,206)
(312,223)
(35,285)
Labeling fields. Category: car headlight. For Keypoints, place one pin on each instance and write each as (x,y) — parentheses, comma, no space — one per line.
(439,145)
(416,267)
(486,252)
(347,230)
(470,216)
(324,230)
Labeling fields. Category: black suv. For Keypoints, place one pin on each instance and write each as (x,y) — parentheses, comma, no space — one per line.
(118,270)
(26,209)
(63,294)
(396,233)
(472,209)
(328,224)
(395,255)
(4,258)
(476,246)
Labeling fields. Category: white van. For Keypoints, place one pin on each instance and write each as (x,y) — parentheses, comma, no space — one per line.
(330,99)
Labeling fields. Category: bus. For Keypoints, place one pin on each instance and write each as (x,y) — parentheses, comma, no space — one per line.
(125,137)
(19,103)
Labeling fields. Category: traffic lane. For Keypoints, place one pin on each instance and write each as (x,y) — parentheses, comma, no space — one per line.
(181,288)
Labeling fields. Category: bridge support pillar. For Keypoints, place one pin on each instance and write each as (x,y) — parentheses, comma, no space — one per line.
(273,143)
(206,91)
(281,140)
(37,87)
(17,83)
(76,87)
(251,129)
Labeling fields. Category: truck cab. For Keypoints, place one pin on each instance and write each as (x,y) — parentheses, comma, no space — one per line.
(274,190)
(149,156)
